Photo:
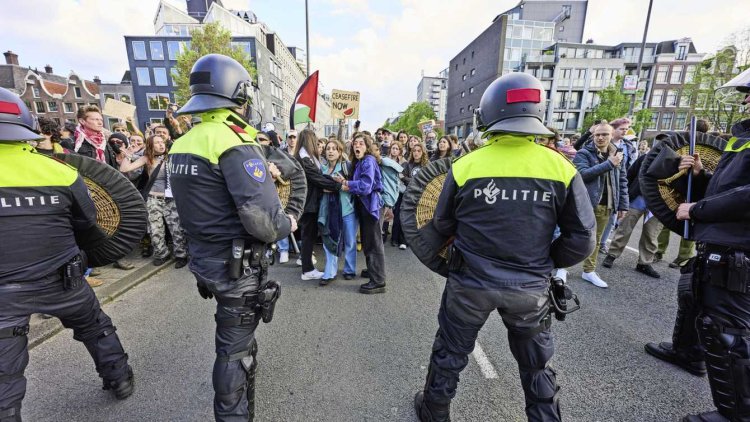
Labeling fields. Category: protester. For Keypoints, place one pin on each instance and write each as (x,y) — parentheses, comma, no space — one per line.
(50,144)
(337,220)
(162,132)
(159,202)
(647,246)
(66,136)
(444,149)
(643,148)
(413,140)
(290,145)
(89,136)
(417,161)
(430,139)
(567,149)
(391,169)
(599,166)
(366,185)
(620,130)
(385,144)
(306,153)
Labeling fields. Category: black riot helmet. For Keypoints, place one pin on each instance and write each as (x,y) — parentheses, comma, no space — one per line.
(16,121)
(217,81)
(513,103)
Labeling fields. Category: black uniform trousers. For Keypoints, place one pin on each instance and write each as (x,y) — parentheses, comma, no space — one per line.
(77,309)
(724,328)
(309,232)
(524,308)
(236,348)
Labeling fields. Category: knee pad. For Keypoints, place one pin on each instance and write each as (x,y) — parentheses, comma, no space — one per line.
(11,414)
(100,326)
(728,365)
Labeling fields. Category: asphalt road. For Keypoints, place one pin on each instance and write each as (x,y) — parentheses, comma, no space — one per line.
(332,354)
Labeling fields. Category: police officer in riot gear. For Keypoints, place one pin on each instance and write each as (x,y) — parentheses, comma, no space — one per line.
(45,208)
(720,284)
(231,212)
(502,203)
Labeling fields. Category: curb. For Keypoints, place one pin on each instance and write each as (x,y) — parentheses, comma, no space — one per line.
(47,328)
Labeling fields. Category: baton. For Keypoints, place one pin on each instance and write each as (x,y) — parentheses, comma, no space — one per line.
(686,228)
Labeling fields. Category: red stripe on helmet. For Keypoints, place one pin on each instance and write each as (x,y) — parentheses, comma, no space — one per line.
(10,108)
(523,95)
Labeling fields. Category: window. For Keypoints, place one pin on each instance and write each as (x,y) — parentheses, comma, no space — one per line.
(666,121)
(680,120)
(111,121)
(35,91)
(684,99)
(125,98)
(463,94)
(575,99)
(173,48)
(471,90)
(689,74)
(472,54)
(78,92)
(39,106)
(157,101)
(57,120)
(112,96)
(142,76)
(681,52)
(671,98)
(464,60)
(654,121)
(463,78)
(565,77)
(473,72)
(456,68)
(597,78)
(561,99)
(657,97)
(52,106)
(462,110)
(547,71)
(157,50)
(68,107)
(139,50)
(156,120)
(579,77)
(676,75)
(471,107)
(160,76)
(80,105)
(661,74)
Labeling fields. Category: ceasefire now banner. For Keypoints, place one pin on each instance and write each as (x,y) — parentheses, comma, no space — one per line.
(344,104)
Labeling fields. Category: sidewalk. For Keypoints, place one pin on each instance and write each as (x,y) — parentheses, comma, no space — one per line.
(116,282)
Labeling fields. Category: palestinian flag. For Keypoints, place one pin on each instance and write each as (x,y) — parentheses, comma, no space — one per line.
(303,108)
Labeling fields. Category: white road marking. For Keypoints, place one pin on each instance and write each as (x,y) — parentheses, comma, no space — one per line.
(626,247)
(484,364)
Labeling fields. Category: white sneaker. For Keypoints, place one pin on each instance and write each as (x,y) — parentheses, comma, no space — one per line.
(299,261)
(312,275)
(594,279)
(284,257)
(402,247)
(562,274)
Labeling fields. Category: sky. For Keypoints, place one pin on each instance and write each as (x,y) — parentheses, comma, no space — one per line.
(377,47)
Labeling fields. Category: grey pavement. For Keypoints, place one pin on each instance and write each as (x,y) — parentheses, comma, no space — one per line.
(332,354)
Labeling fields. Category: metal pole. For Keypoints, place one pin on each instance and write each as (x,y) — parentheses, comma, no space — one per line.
(307,38)
(640,58)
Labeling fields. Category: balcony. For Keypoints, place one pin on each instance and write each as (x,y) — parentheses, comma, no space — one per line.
(543,58)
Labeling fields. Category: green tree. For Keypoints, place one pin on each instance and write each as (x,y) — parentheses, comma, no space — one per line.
(211,38)
(415,113)
(709,75)
(613,104)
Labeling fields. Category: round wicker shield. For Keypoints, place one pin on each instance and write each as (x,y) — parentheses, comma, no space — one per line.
(663,186)
(292,187)
(417,209)
(121,215)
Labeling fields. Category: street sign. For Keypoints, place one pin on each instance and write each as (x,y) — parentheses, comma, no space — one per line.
(344,104)
(630,84)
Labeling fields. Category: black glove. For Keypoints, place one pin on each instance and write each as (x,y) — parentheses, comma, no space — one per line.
(204,292)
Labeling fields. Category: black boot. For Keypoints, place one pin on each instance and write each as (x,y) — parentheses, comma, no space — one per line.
(122,389)
(666,352)
(372,287)
(431,412)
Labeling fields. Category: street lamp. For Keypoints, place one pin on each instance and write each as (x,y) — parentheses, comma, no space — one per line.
(640,58)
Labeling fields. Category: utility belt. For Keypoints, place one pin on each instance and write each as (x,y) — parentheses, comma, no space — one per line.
(247,256)
(724,267)
(73,271)
(560,294)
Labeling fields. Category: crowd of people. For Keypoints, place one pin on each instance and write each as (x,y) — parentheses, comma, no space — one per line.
(141,158)
(343,198)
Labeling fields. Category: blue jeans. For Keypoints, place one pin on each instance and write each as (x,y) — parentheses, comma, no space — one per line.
(350,250)
(608,230)
(283,245)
